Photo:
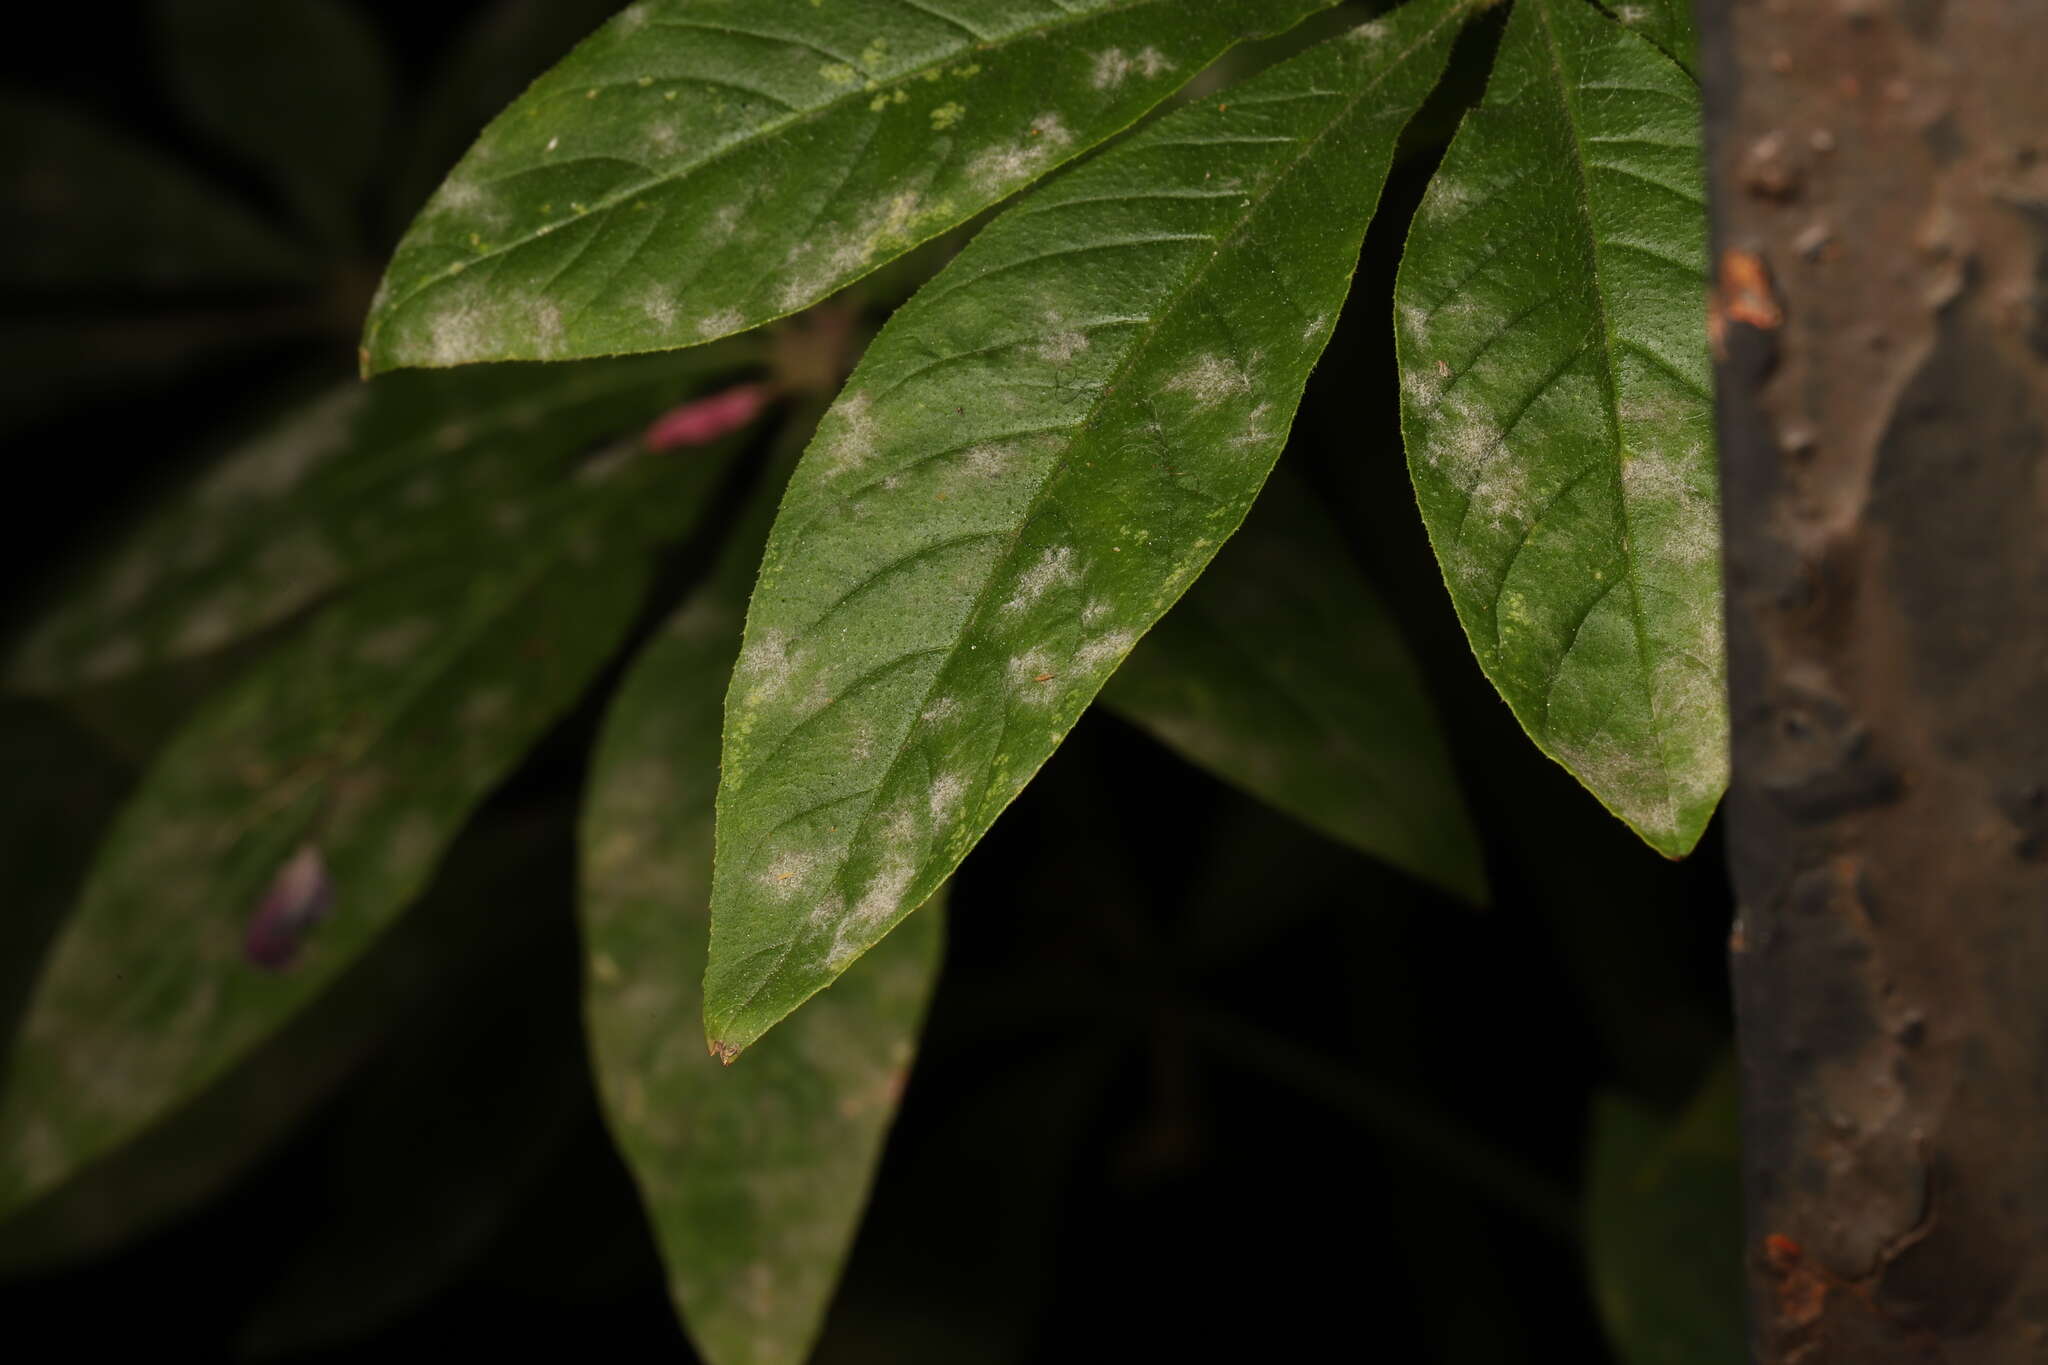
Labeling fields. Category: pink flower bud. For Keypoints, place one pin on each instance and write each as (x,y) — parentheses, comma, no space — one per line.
(298,899)
(703,420)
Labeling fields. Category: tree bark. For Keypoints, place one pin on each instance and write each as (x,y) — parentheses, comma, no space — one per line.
(1878,171)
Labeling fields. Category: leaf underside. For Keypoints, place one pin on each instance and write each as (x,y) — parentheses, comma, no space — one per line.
(371,735)
(692,171)
(1556,407)
(1035,458)
(1282,672)
(752,1176)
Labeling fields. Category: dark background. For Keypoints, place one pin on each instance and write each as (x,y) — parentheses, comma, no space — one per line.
(1196,1081)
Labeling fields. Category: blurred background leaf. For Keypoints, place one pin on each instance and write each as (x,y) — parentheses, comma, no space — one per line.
(754,1179)
(362,744)
(1664,1227)
(1281,671)
(301,92)
(360,478)
(230,1124)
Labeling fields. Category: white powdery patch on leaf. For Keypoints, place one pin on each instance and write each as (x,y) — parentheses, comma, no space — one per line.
(1032,674)
(852,441)
(786,875)
(1446,198)
(1061,344)
(1105,649)
(459,329)
(1256,429)
(1005,166)
(1152,62)
(1465,446)
(771,664)
(940,709)
(664,140)
(724,321)
(1210,380)
(1689,525)
(1055,566)
(947,789)
(1111,66)
(816,265)
(986,461)
(545,317)
(884,893)
(274,465)
(660,306)
(459,197)
(1632,783)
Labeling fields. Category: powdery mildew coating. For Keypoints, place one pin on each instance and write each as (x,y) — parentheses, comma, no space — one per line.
(368,738)
(357,478)
(1557,408)
(1035,458)
(753,1177)
(684,148)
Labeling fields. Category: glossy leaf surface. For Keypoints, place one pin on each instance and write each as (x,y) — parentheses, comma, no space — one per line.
(337,770)
(693,170)
(1557,410)
(754,1178)
(1282,672)
(1035,458)
(359,478)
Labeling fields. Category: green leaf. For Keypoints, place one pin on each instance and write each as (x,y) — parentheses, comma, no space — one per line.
(1036,456)
(1282,672)
(299,91)
(217,1135)
(358,479)
(447,1130)
(1664,1229)
(494,56)
(753,1178)
(91,210)
(1668,24)
(694,170)
(362,744)
(1557,409)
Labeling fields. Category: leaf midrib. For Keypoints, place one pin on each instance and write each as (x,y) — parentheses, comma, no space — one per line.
(1453,13)
(1580,161)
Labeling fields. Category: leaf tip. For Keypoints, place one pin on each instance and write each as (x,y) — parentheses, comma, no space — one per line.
(727,1053)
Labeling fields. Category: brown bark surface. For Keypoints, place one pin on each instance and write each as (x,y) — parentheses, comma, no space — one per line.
(1878,171)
